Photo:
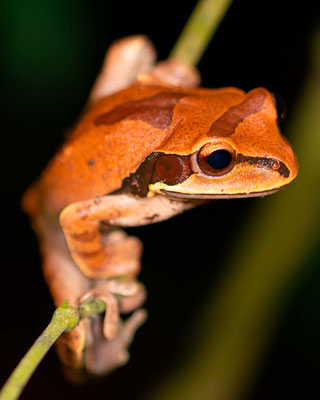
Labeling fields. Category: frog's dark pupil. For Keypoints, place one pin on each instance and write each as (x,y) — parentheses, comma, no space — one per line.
(219,159)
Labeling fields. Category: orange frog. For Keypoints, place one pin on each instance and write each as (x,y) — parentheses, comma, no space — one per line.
(149,145)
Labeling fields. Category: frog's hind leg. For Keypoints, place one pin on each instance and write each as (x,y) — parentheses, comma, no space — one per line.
(66,282)
(125,59)
(103,356)
(172,72)
(134,57)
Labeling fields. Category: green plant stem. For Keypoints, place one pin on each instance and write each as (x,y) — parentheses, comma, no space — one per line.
(199,29)
(64,319)
(92,307)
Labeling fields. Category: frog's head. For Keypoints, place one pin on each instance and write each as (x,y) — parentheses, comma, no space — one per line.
(226,144)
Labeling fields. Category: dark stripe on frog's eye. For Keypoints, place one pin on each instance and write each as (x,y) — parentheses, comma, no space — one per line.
(228,122)
(156,110)
(265,162)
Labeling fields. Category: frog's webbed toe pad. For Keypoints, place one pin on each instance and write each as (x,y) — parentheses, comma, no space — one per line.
(106,355)
(172,72)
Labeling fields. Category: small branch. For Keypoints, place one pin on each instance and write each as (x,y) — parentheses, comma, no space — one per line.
(199,29)
(64,319)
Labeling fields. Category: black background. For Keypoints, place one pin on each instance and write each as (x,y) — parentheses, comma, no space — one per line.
(52,52)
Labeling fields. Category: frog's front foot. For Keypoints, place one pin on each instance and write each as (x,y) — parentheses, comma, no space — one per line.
(121,295)
(107,348)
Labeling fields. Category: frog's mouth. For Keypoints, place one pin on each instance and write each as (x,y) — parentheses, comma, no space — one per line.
(206,196)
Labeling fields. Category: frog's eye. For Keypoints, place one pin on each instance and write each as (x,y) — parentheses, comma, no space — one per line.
(280,107)
(214,159)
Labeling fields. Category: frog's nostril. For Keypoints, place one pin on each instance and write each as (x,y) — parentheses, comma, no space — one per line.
(275,165)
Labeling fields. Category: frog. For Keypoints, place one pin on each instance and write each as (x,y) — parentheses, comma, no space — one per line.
(149,145)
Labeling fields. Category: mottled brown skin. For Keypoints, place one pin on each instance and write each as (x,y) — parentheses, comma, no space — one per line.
(130,160)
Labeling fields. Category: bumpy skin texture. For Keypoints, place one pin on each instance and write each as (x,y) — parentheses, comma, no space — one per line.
(130,160)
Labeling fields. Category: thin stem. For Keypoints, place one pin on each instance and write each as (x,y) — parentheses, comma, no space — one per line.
(64,319)
(94,306)
(199,29)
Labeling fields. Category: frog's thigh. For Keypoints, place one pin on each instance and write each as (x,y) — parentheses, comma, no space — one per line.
(123,62)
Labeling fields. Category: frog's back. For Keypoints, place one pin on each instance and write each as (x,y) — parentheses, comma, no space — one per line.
(108,143)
